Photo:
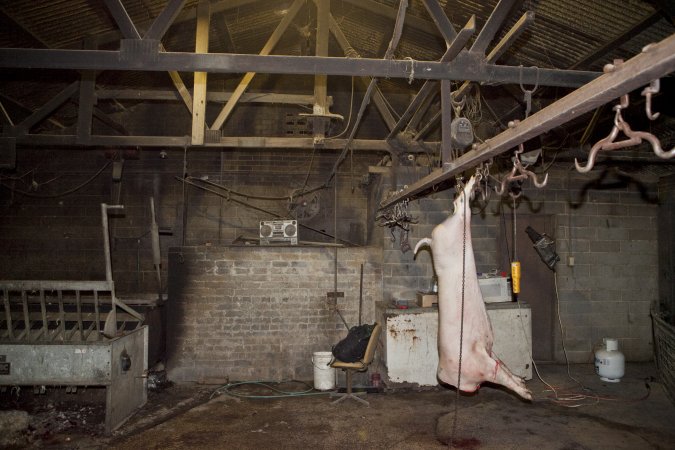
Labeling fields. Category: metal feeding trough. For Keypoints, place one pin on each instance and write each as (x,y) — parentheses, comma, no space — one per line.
(75,333)
(118,363)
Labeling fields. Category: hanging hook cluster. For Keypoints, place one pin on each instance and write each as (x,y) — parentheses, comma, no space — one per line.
(519,172)
(634,137)
(397,216)
(482,175)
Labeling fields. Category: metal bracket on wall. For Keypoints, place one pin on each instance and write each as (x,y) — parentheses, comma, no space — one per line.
(332,304)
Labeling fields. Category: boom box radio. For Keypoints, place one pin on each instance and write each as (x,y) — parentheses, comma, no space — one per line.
(278,231)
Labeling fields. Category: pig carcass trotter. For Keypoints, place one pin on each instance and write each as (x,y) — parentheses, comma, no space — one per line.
(479,363)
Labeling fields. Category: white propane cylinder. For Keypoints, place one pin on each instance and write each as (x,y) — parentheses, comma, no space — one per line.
(609,361)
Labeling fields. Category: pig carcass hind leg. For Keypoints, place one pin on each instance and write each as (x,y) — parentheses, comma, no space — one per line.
(506,378)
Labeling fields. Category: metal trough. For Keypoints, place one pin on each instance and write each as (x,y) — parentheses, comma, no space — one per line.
(69,333)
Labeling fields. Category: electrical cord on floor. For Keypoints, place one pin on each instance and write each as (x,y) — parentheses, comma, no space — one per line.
(565,396)
(270,385)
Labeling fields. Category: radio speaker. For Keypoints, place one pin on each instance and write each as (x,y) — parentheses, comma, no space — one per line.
(278,231)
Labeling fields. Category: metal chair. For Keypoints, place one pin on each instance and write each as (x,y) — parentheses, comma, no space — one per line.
(358,366)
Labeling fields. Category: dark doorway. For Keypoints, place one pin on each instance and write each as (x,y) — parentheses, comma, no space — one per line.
(537,286)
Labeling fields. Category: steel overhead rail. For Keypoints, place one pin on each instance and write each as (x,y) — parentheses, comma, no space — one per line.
(142,55)
(656,60)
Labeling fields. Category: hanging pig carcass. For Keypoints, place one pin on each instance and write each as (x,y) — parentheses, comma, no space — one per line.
(455,267)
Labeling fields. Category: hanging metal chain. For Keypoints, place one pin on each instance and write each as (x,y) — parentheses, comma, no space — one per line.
(527,94)
(398,216)
(461,327)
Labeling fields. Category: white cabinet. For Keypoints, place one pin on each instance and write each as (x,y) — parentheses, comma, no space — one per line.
(411,350)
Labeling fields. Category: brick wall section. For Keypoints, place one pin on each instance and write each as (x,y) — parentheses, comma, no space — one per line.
(261,312)
(608,223)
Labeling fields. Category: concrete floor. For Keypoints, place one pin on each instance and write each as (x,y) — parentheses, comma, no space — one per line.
(626,415)
(608,416)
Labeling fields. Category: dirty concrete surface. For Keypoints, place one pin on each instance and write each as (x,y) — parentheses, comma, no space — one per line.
(625,415)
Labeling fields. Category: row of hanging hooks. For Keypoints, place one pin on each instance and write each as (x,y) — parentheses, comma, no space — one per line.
(520,171)
(620,125)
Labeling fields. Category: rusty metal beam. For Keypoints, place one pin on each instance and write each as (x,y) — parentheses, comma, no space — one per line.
(129,31)
(46,109)
(383,10)
(105,119)
(122,19)
(166,95)
(446,119)
(492,26)
(378,98)
(55,141)
(658,61)
(466,66)
(499,49)
(187,15)
(6,119)
(164,20)
(85,108)
(619,40)
(266,50)
(388,54)
(29,110)
(429,86)
(437,14)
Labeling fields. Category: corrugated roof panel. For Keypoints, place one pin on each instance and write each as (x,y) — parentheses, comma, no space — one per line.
(251,26)
(59,23)
(366,34)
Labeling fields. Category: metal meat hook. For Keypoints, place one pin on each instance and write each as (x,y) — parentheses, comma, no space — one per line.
(647,92)
(638,136)
(482,174)
(634,138)
(518,173)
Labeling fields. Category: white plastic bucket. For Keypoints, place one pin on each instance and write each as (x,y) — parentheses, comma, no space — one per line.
(324,375)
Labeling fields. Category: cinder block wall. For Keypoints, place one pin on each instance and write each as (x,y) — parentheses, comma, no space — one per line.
(45,235)
(606,222)
(248,313)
